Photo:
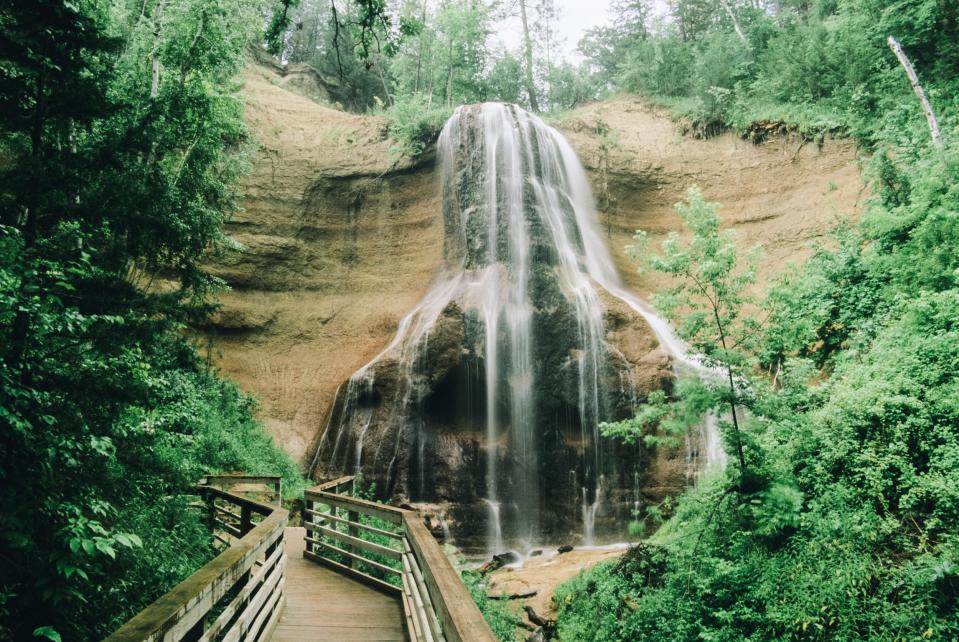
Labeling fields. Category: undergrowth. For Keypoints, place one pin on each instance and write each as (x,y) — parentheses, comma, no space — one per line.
(498,613)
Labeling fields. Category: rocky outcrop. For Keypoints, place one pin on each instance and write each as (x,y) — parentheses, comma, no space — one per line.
(335,243)
(489,398)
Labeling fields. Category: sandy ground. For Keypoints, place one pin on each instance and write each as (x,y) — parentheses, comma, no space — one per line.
(543,574)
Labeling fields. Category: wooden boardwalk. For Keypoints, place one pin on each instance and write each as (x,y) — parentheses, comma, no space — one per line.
(261,587)
(324,605)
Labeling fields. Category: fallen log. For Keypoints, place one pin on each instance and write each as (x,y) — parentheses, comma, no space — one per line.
(520,595)
(547,627)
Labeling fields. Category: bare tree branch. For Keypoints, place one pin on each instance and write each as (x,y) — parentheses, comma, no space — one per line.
(732,16)
(916,87)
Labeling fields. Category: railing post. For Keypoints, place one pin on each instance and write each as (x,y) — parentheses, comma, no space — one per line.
(308,519)
(353,531)
(210,500)
(245,520)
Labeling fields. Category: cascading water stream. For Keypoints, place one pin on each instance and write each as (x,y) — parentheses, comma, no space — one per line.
(523,261)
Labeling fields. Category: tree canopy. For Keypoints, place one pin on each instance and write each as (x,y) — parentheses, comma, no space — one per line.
(120,139)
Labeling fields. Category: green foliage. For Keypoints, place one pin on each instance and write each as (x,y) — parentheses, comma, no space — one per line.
(120,139)
(497,612)
(662,421)
(434,55)
(570,87)
(848,529)
(807,571)
(414,123)
(710,289)
(820,67)
(707,304)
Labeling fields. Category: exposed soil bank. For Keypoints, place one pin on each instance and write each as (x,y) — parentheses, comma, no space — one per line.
(337,244)
(783,193)
(332,256)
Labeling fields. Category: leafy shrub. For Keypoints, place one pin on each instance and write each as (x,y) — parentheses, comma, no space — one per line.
(497,613)
(414,123)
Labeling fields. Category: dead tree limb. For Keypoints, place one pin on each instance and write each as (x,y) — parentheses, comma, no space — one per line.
(547,627)
(732,16)
(916,87)
(155,50)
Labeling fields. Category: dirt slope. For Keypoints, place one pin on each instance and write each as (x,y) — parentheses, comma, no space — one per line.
(782,194)
(331,256)
(333,252)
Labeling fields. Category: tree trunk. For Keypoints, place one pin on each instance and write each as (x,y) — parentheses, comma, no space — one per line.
(528,46)
(386,88)
(191,52)
(732,406)
(155,52)
(732,16)
(429,91)
(916,87)
(549,68)
(20,328)
(419,56)
(732,396)
(449,79)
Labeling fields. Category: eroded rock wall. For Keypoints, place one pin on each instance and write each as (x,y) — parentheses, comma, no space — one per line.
(337,244)
(331,255)
(783,194)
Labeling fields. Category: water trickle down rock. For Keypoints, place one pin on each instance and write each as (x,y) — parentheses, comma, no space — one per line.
(490,394)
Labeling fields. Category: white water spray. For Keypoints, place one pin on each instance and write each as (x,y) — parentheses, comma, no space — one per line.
(521,227)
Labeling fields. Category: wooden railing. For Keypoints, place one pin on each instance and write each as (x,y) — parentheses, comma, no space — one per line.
(228,519)
(267,487)
(236,596)
(391,550)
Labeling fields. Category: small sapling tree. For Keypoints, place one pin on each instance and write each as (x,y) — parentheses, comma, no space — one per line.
(705,302)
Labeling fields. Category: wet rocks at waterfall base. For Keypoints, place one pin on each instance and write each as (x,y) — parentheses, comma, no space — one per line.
(489,398)
(498,561)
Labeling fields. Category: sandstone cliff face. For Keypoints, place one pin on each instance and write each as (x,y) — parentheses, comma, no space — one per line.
(332,256)
(490,396)
(337,244)
(783,194)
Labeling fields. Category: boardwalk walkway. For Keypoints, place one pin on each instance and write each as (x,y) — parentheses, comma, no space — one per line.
(265,585)
(324,605)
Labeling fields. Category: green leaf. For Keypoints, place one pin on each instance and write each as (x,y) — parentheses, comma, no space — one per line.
(106,549)
(47,632)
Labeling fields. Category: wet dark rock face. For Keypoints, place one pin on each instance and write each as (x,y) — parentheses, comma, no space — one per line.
(416,422)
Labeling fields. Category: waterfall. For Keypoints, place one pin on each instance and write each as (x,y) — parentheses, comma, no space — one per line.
(519,291)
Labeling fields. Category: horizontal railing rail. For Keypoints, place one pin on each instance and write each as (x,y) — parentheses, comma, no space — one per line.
(236,596)
(270,486)
(231,515)
(391,550)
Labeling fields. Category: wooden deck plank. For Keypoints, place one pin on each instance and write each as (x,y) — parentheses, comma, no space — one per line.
(322,605)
